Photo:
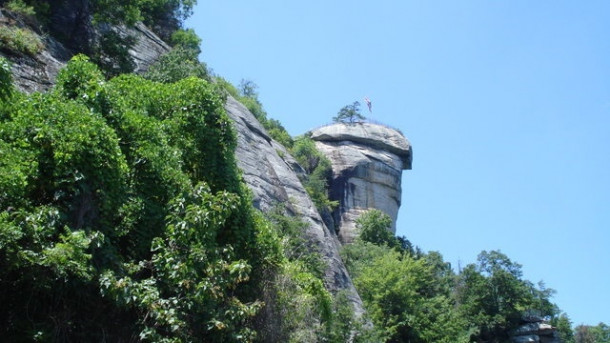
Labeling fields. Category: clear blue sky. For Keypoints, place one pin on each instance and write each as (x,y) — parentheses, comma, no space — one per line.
(506,104)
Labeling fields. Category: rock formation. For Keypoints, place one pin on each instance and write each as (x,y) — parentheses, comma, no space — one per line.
(367,161)
(268,168)
(38,73)
(271,173)
(535,330)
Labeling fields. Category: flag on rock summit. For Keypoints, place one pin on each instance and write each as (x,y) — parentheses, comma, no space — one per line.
(368,104)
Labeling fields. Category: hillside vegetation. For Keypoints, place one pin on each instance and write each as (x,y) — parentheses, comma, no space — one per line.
(124,217)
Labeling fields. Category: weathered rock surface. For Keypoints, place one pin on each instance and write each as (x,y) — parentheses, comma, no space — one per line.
(35,73)
(536,331)
(273,179)
(271,173)
(38,73)
(367,161)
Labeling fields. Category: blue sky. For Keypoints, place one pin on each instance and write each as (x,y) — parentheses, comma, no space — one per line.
(506,105)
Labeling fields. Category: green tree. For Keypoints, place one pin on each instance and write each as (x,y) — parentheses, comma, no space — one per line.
(592,334)
(349,114)
(187,39)
(398,293)
(564,328)
(374,226)
(493,296)
(176,65)
(248,88)
(123,214)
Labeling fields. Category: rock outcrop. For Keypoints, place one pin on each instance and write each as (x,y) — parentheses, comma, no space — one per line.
(271,172)
(535,330)
(38,73)
(367,161)
(268,168)
(35,73)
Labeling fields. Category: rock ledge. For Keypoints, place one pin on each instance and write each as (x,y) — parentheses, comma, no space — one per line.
(373,135)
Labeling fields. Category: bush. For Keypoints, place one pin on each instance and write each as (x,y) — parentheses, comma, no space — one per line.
(187,40)
(18,6)
(320,172)
(176,65)
(19,40)
(6,80)
(374,227)
(123,209)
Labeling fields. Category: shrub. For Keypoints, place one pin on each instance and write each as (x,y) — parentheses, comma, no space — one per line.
(176,65)
(374,227)
(18,6)
(188,40)
(122,209)
(6,80)
(320,172)
(20,40)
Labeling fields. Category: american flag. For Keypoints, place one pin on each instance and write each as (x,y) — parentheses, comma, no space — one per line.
(368,103)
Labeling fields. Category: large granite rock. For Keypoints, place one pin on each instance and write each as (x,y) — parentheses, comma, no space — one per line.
(271,172)
(34,73)
(38,73)
(367,161)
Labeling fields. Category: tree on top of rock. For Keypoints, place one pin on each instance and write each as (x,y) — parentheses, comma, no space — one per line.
(349,114)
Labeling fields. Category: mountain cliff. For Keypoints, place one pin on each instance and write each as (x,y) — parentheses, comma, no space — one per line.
(268,168)
(366,159)
(272,175)
(37,73)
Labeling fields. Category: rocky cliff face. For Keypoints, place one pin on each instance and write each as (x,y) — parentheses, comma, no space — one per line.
(268,168)
(38,73)
(271,173)
(367,161)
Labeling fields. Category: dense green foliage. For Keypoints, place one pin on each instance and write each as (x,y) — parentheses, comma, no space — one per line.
(599,333)
(124,218)
(494,297)
(108,47)
(374,227)
(19,40)
(416,297)
(349,114)
(123,214)
(298,307)
(187,40)
(176,65)
(150,12)
(319,173)
(564,328)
